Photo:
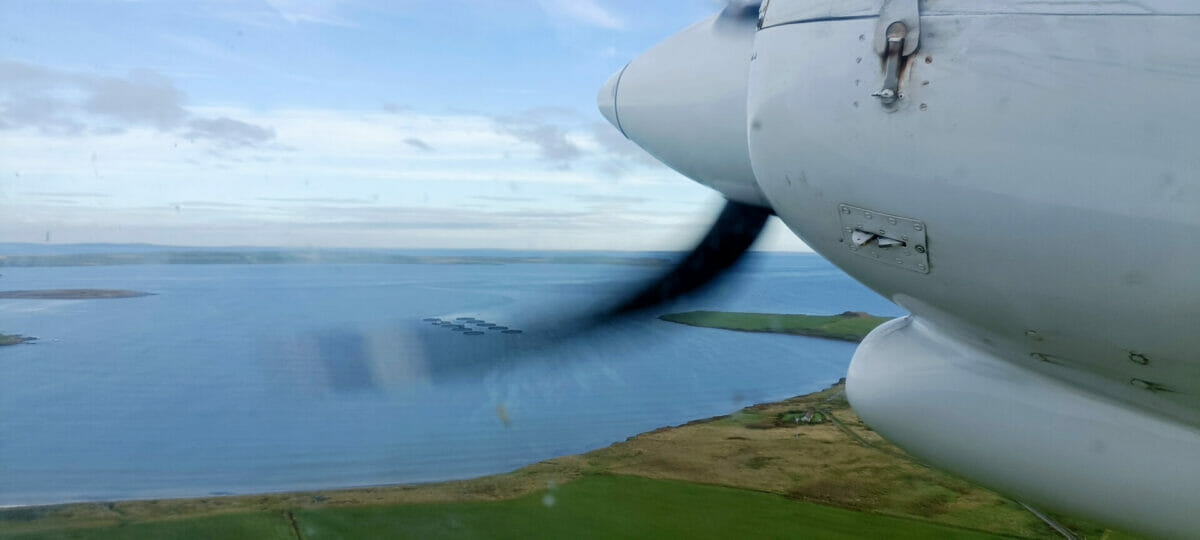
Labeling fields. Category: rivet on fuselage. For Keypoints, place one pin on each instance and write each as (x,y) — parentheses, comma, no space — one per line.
(1138,358)
(1033,335)
(917,227)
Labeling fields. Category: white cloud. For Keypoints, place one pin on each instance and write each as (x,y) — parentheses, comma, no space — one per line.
(587,12)
(229,133)
(325,177)
(363,158)
(65,103)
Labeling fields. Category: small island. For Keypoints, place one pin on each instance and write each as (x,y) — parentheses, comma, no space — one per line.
(71,294)
(15,339)
(846,326)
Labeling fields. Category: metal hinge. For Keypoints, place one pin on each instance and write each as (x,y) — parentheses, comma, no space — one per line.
(897,36)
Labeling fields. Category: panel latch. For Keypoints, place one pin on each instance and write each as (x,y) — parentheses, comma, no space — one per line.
(896,37)
(887,238)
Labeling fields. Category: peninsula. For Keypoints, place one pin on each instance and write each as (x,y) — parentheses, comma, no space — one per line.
(847,326)
(15,339)
(71,294)
(60,294)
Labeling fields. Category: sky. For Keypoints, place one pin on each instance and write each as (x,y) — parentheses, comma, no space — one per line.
(448,124)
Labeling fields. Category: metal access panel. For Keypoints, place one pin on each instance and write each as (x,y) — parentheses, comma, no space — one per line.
(889,239)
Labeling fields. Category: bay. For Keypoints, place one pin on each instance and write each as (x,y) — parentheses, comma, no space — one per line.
(254,378)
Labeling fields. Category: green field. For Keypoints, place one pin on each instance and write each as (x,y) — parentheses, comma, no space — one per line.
(261,525)
(848,326)
(595,506)
(621,507)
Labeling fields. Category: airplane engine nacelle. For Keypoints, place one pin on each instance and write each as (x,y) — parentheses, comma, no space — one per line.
(1023,177)
(684,102)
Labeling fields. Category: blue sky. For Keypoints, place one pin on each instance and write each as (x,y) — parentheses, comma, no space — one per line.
(413,124)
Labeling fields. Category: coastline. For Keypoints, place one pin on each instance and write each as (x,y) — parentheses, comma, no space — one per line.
(810,452)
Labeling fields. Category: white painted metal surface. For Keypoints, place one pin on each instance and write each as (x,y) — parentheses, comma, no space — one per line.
(685,99)
(798,11)
(1016,138)
(1040,439)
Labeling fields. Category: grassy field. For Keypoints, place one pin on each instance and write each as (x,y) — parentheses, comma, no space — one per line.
(761,469)
(251,526)
(605,506)
(595,506)
(848,326)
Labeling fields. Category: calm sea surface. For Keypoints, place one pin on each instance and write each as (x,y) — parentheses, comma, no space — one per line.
(251,378)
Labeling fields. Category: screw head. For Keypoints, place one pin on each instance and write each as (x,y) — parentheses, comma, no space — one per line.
(920,249)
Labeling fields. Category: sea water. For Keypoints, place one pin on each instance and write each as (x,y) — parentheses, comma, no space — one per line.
(253,378)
